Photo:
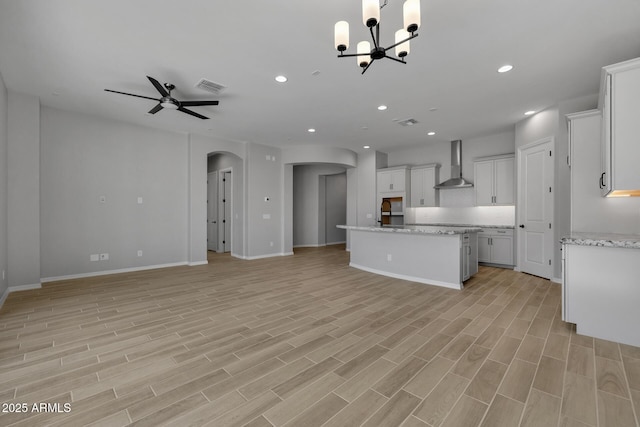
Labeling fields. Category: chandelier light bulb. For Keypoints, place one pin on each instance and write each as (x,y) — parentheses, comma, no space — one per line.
(370,12)
(364,47)
(411,15)
(341,35)
(402,49)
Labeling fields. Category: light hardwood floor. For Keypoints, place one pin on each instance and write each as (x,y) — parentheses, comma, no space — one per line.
(305,341)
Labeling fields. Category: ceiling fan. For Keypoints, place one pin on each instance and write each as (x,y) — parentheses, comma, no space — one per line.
(167,101)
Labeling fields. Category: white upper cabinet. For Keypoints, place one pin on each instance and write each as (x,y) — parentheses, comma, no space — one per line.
(423,179)
(494,180)
(393,180)
(620,104)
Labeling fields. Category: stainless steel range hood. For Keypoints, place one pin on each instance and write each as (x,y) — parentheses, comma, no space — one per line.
(456,180)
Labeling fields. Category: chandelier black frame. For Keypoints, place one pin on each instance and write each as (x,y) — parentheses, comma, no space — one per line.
(411,22)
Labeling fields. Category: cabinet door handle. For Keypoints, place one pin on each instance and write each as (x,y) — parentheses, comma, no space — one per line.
(602,180)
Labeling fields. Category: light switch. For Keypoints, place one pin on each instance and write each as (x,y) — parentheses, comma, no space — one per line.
(139,200)
(103,199)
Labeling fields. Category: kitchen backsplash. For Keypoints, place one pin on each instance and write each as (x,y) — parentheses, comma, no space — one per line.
(476,215)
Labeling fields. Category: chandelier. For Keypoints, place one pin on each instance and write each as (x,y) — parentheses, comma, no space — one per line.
(371,18)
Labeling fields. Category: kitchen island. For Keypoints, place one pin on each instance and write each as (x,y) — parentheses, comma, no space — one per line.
(600,286)
(435,255)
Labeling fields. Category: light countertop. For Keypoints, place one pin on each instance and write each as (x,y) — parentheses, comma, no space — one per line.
(610,240)
(467,225)
(415,229)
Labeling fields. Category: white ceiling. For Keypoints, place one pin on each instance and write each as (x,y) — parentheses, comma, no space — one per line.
(67,52)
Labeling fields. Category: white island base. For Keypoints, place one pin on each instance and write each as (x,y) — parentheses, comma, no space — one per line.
(439,258)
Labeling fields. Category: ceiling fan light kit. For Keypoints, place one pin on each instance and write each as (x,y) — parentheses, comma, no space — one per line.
(169,102)
(365,54)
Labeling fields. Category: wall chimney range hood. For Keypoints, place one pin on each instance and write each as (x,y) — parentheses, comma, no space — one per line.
(456,180)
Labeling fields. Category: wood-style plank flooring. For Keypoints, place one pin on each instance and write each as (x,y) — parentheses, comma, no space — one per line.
(306,341)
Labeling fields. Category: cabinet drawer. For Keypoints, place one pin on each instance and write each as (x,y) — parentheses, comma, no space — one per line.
(496,232)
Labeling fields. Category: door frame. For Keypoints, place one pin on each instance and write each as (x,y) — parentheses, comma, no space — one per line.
(221,206)
(550,141)
(212,207)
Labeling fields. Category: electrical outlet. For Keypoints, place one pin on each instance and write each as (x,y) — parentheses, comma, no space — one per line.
(104,257)
(103,199)
(139,200)
(369,216)
(266,216)
(94,257)
(139,253)
(271,244)
(388,257)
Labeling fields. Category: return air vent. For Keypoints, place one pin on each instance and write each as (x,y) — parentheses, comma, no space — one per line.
(408,122)
(210,86)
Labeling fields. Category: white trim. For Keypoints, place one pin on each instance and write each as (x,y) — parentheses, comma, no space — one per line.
(556,280)
(268,255)
(4,296)
(319,245)
(193,264)
(342,242)
(25,287)
(11,289)
(410,278)
(106,272)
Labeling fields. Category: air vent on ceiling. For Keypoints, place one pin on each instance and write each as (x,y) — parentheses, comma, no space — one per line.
(408,122)
(210,86)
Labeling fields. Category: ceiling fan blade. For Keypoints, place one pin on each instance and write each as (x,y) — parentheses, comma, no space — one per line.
(193,113)
(131,94)
(155,109)
(196,103)
(158,86)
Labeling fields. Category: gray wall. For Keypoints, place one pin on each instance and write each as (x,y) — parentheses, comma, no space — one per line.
(265,222)
(312,196)
(23,201)
(85,158)
(4,106)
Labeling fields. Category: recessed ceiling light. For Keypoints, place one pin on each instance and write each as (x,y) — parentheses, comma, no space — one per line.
(311,130)
(366,146)
(529,113)
(431,133)
(382,107)
(281,79)
(505,68)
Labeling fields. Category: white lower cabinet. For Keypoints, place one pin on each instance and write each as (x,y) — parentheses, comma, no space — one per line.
(600,292)
(495,246)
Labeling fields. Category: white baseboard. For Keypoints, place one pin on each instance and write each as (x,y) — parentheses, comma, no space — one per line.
(409,278)
(556,280)
(320,245)
(18,289)
(193,264)
(24,287)
(268,255)
(106,272)
(4,296)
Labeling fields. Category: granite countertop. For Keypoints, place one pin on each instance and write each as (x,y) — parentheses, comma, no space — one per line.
(414,229)
(610,240)
(467,225)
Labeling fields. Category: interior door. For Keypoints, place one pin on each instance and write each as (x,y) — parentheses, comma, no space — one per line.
(212,211)
(535,208)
